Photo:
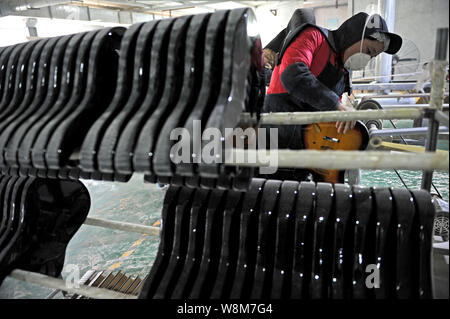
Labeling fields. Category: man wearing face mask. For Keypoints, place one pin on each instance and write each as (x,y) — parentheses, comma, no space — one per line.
(312,70)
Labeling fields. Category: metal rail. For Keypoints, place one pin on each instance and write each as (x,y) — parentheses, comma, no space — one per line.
(403,106)
(339,160)
(442,118)
(300,118)
(430,146)
(134,228)
(383,86)
(396,96)
(405,147)
(55,283)
(415,131)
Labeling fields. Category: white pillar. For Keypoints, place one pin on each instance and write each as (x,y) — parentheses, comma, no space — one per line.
(384,62)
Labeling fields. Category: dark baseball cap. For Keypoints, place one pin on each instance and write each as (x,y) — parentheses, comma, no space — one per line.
(377,24)
(351,31)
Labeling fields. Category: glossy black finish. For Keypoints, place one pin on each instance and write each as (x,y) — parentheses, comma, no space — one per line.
(342,208)
(384,239)
(20,85)
(108,99)
(230,246)
(47,213)
(191,86)
(144,150)
(18,91)
(165,244)
(284,249)
(208,182)
(262,284)
(147,89)
(424,222)
(131,64)
(10,80)
(296,241)
(206,276)
(404,208)
(323,233)
(211,82)
(36,88)
(180,244)
(242,178)
(225,179)
(19,241)
(195,245)
(8,213)
(303,240)
(150,39)
(101,80)
(248,238)
(29,111)
(4,55)
(233,91)
(3,214)
(11,210)
(362,243)
(33,146)
(56,228)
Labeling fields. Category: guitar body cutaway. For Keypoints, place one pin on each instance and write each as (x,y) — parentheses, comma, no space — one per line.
(324,136)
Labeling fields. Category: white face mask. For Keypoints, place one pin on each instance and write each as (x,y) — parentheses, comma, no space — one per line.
(357,61)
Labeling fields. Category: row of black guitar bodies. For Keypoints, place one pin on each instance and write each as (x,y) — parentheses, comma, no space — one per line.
(291,240)
(102,104)
(279,240)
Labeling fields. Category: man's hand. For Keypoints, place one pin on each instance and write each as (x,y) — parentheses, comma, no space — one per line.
(344,127)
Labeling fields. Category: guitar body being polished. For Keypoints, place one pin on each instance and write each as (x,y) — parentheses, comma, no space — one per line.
(324,136)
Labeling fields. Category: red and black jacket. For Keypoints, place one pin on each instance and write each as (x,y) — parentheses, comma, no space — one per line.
(310,75)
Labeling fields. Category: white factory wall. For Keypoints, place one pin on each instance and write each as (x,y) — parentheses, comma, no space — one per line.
(270,25)
(415,20)
(420,21)
(331,17)
(13,28)
(64,19)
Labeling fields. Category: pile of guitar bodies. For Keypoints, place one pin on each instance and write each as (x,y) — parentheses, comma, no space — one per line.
(102,104)
(291,240)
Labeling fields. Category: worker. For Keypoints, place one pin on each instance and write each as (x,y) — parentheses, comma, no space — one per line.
(313,69)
